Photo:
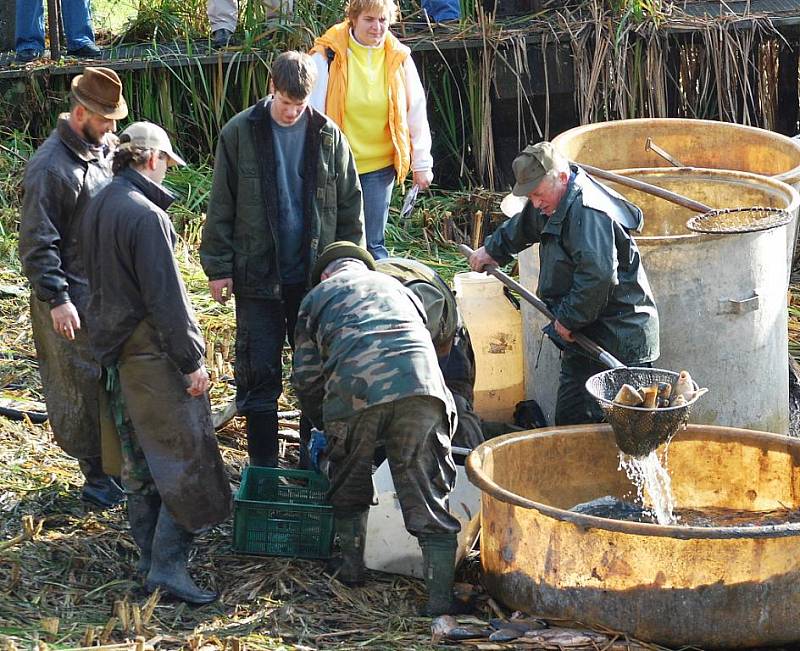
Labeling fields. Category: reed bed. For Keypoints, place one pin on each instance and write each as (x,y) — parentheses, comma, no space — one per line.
(633,58)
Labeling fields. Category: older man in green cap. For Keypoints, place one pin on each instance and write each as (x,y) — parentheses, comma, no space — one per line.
(366,369)
(590,275)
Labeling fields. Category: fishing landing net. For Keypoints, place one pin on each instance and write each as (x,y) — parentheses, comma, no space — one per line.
(638,430)
(739,220)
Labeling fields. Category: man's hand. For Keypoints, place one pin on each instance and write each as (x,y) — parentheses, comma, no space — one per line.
(198,382)
(423,179)
(562,332)
(65,320)
(221,289)
(480,259)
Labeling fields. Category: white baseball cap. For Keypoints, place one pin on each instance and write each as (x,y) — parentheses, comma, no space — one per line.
(146,135)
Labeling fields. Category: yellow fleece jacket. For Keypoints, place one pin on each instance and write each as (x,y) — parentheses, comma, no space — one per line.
(337,38)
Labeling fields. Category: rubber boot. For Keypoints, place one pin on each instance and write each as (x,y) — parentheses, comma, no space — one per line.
(351,530)
(143,511)
(262,439)
(439,567)
(99,489)
(170,554)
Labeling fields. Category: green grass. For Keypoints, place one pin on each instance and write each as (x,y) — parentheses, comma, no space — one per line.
(112,15)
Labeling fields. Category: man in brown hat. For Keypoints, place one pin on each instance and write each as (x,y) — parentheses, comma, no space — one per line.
(590,273)
(61,177)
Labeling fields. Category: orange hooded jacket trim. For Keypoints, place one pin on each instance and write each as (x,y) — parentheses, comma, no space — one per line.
(337,38)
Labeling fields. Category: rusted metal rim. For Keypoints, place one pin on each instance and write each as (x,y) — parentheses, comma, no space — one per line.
(479,478)
(686,124)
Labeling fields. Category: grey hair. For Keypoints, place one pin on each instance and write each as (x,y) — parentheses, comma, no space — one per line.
(560,166)
(338,265)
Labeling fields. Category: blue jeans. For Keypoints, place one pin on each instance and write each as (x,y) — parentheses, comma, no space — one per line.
(30,24)
(376,189)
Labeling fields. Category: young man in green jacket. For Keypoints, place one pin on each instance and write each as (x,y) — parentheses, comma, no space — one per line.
(285,186)
(591,274)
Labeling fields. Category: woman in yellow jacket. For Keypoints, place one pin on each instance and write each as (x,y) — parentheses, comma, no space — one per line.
(368,85)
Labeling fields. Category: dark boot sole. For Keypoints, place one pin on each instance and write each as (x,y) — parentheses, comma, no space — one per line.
(181,596)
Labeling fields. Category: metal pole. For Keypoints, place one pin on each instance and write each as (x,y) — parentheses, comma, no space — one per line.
(582,340)
(53,28)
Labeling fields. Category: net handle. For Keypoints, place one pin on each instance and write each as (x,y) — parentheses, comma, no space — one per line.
(648,188)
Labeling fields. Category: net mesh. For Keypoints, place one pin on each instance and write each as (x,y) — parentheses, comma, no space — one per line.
(739,220)
(638,431)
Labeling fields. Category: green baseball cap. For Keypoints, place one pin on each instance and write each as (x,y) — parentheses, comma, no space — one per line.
(531,166)
(341,249)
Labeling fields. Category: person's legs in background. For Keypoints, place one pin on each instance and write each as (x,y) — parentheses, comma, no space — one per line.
(77,17)
(278,11)
(376,189)
(29,30)
(223,16)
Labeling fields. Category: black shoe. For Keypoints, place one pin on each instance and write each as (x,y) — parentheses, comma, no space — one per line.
(104,493)
(99,489)
(86,52)
(26,56)
(221,37)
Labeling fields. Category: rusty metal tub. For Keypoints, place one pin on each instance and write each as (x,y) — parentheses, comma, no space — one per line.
(695,143)
(710,587)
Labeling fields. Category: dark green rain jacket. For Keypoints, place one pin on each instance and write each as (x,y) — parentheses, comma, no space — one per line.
(591,275)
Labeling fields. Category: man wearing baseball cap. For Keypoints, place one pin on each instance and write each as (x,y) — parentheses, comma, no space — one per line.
(144,333)
(70,167)
(590,275)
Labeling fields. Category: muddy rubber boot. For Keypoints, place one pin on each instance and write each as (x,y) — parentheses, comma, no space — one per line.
(439,568)
(262,439)
(99,489)
(351,529)
(170,553)
(143,511)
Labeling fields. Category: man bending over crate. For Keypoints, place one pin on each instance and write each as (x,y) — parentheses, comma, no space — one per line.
(143,331)
(365,368)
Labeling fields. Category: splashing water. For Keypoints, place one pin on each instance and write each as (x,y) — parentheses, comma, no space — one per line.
(653,484)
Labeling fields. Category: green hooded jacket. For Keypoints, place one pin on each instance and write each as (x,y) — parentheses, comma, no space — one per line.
(240,234)
(591,275)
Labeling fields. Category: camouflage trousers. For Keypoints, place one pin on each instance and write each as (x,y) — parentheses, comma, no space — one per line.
(167,440)
(136,477)
(416,434)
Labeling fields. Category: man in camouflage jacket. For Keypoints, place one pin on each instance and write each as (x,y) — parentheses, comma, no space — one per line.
(365,368)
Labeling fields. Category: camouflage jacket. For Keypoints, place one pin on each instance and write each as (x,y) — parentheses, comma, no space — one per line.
(361,341)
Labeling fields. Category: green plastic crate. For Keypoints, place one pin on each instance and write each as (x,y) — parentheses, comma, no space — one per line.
(281,512)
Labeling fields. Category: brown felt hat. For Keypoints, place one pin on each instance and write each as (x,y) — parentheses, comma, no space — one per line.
(100,91)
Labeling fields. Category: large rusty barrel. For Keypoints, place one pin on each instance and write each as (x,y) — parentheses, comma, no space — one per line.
(676,585)
(621,144)
(721,299)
